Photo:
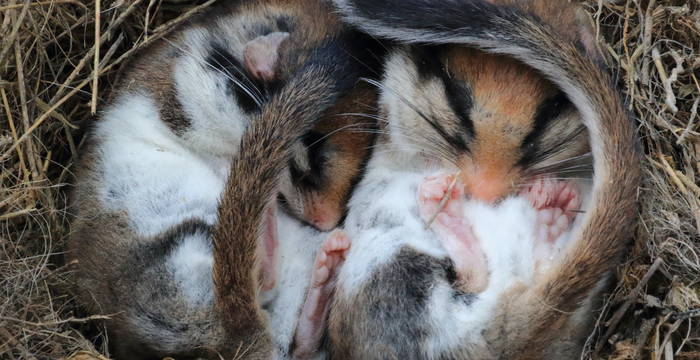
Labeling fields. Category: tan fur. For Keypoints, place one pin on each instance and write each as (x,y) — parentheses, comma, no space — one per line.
(506,95)
(540,322)
(547,320)
(102,243)
(242,206)
(349,137)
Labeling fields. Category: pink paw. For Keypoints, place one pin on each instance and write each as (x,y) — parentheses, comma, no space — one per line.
(440,194)
(329,258)
(556,202)
(312,320)
(440,203)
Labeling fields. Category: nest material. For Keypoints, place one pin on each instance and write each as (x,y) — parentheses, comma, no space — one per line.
(53,77)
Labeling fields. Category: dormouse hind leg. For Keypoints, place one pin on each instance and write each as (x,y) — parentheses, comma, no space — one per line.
(440,200)
(556,203)
(267,250)
(312,321)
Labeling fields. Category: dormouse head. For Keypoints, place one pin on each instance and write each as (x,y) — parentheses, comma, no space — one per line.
(496,121)
(330,160)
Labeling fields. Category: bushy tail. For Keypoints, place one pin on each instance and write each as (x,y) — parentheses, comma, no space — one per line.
(253,183)
(608,225)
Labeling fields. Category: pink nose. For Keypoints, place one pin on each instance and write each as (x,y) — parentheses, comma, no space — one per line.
(321,223)
(323,220)
(486,189)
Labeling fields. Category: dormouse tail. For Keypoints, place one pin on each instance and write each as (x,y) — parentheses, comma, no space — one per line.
(607,227)
(252,185)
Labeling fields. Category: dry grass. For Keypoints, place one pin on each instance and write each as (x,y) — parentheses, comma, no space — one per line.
(48,92)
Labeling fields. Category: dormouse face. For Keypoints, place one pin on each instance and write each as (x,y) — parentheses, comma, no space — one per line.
(330,159)
(497,121)
(327,161)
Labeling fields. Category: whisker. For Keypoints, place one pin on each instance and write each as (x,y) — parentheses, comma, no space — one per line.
(247,88)
(403,99)
(430,146)
(349,126)
(228,76)
(438,145)
(250,81)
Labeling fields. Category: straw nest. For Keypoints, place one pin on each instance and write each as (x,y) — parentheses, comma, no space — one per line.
(53,77)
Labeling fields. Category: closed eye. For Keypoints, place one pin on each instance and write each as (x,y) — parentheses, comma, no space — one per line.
(533,149)
(437,146)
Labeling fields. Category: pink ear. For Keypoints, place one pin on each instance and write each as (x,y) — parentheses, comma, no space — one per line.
(587,36)
(261,54)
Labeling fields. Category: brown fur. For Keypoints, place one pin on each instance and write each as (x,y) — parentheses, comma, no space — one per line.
(604,238)
(109,289)
(243,203)
(349,138)
(549,319)
(506,96)
(539,322)
(106,251)
(567,17)
(154,72)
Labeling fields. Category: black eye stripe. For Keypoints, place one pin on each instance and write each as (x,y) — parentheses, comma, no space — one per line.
(427,61)
(222,60)
(315,142)
(312,177)
(459,98)
(547,111)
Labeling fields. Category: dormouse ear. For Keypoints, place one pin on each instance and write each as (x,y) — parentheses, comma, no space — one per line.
(261,54)
(587,35)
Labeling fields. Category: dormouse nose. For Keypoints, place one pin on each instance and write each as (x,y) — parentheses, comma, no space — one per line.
(322,215)
(487,186)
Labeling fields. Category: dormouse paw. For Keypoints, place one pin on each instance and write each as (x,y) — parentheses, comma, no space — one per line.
(442,193)
(312,320)
(440,203)
(556,202)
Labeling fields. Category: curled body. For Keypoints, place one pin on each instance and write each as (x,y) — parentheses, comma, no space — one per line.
(401,292)
(531,105)
(178,181)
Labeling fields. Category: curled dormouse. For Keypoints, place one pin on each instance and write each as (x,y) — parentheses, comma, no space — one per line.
(175,216)
(330,159)
(502,124)
(209,78)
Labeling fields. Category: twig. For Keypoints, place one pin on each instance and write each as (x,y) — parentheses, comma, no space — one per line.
(11,38)
(686,314)
(667,80)
(30,151)
(443,201)
(693,114)
(16,214)
(13,132)
(96,63)
(666,345)
(57,104)
(106,35)
(58,322)
(41,3)
(617,316)
(12,340)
